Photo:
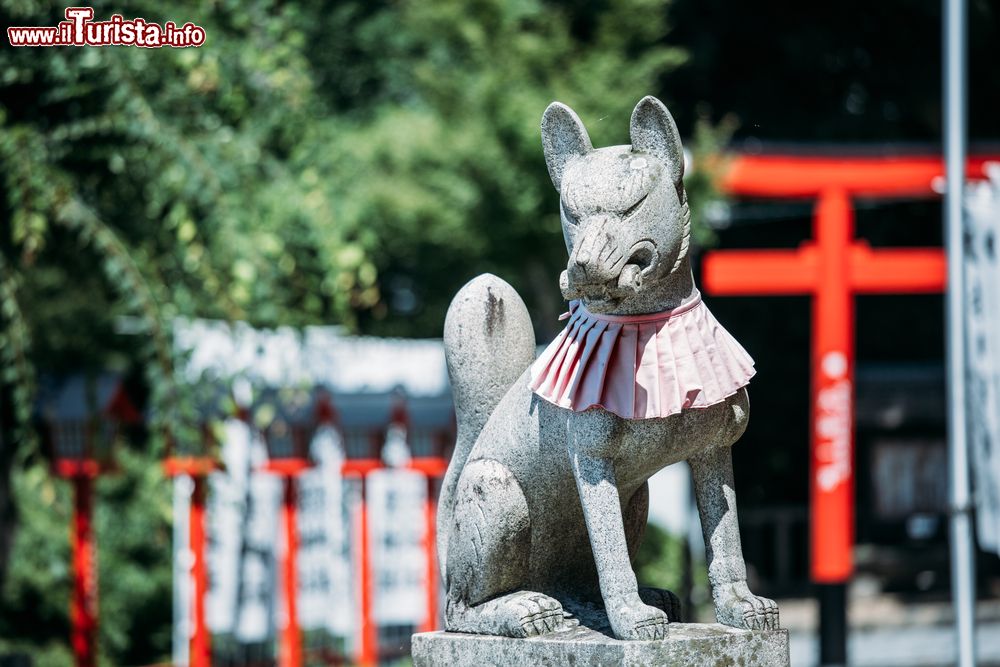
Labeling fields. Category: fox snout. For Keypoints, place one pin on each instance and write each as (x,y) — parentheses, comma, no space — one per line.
(597,256)
(602,261)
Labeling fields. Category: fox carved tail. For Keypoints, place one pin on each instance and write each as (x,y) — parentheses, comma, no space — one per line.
(488,343)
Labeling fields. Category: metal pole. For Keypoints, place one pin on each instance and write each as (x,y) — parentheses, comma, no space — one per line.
(832,624)
(962,553)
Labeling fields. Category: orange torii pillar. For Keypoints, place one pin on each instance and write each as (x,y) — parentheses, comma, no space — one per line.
(832,268)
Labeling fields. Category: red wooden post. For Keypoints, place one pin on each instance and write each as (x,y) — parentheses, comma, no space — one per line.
(430,548)
(201,647)
(83,605)
(832,465)
(291,645)
(368,649)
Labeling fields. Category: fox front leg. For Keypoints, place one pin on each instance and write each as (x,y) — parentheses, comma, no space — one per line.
(591,445)
(735,605)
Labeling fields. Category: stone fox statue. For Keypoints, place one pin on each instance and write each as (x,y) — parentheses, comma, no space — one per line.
(545,500)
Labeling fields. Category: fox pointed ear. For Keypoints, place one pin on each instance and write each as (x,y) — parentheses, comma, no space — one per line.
(653,131)
(563,137)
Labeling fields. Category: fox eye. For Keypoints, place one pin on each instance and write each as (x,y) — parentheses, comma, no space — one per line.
(634,207)
(567,215)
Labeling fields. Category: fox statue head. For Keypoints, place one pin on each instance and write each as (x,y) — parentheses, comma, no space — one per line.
(624,212)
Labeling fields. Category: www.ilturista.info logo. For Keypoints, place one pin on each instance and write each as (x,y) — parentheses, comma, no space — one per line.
(79,29)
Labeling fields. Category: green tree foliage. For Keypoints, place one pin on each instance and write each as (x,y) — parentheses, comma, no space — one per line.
(444,175)
(320,162)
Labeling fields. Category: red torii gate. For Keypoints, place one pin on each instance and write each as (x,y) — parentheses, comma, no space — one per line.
(832,268)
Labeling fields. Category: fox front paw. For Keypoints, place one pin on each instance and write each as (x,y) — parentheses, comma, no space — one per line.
(737,607)
(634,620)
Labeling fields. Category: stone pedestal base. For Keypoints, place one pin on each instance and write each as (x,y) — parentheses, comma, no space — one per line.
(686,645)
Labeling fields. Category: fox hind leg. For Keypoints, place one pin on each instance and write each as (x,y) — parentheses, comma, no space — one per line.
(488,559)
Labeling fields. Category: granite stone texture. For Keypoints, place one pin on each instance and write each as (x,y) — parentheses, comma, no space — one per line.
(543,508)
(686,645)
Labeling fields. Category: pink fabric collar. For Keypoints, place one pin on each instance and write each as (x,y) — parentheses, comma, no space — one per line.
(642,366)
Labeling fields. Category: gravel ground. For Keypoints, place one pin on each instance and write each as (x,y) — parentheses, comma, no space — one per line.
(887,631)
(904,646)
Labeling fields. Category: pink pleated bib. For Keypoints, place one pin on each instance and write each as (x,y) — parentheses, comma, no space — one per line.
(642,366)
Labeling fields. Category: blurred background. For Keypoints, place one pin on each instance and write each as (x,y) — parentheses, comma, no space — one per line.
(200,246)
